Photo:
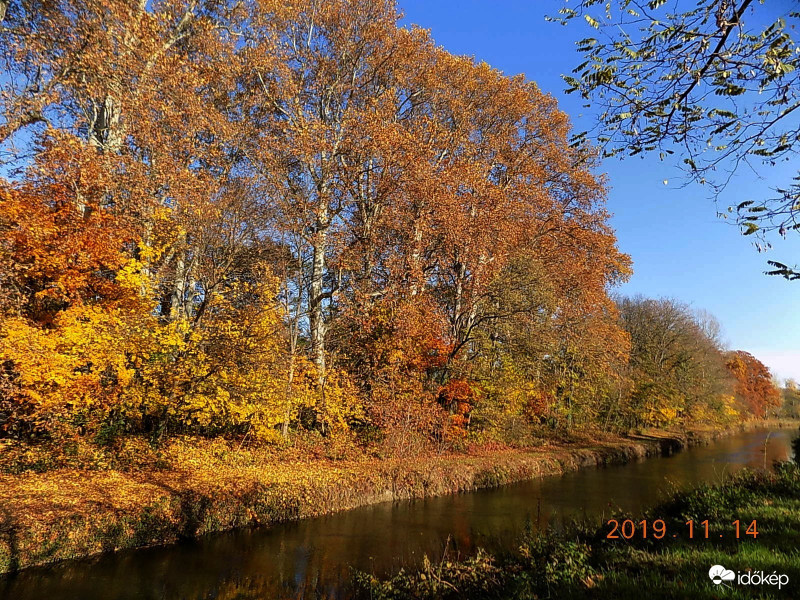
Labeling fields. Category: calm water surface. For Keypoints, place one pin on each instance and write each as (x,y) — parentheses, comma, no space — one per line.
(311,559)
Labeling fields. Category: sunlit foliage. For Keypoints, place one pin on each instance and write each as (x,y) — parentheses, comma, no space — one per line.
(754,383)
(249,220)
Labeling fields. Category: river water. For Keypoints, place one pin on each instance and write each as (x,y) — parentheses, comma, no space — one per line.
(311,559)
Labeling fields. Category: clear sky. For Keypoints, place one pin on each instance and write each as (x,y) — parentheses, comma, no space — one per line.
(679,247)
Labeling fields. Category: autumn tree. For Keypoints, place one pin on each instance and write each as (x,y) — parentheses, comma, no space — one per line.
(143,86)
(296,214)
(401,180)
(319,78)
(678,369)
(141,94)
(62,325)
(790,399)
(754,383)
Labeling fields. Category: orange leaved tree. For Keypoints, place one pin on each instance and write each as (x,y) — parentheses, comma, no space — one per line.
(754,384)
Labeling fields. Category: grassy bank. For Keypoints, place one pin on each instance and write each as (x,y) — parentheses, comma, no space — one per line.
(204,487)
(584,563)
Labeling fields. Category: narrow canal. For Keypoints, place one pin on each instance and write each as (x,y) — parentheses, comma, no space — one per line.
(311,559)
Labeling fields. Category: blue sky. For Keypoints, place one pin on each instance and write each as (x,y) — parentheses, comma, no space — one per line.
(679,247)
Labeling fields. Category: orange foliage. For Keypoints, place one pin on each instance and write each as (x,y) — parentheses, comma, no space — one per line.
(458,397)
(61,247)
(67,308)
(293,213)
(392,349)
(754,384)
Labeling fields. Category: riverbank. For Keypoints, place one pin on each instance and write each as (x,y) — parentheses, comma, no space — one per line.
(205,488)
(583,562)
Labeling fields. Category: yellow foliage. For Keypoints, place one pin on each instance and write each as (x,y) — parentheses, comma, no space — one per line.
(225,370)
(78,364)
(341,401)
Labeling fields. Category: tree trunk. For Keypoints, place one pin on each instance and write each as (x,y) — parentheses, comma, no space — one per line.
(104,131)
(179,288)
(316,315)
(288,413)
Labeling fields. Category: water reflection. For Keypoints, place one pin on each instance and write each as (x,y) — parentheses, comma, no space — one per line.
(309,559)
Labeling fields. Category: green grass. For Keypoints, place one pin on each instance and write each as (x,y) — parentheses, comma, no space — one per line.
(583,563)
